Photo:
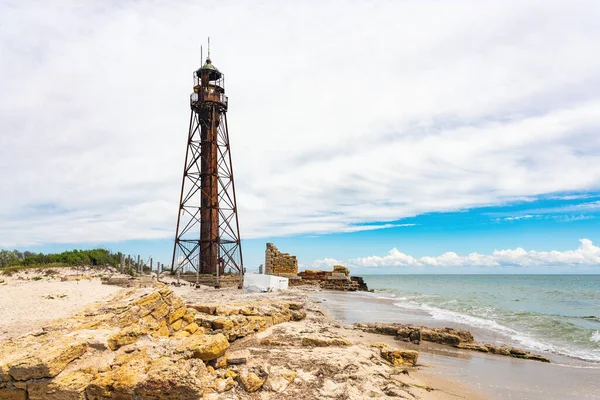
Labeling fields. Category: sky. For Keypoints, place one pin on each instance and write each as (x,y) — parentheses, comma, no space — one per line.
(391,137)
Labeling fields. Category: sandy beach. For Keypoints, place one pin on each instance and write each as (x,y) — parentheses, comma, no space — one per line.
(28,304)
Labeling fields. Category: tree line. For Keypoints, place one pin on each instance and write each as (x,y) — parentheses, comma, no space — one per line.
(10,258)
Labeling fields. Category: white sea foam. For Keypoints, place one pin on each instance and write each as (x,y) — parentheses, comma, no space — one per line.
(522,339)
(595,337)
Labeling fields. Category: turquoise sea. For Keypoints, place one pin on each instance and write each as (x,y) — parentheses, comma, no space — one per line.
(558,314)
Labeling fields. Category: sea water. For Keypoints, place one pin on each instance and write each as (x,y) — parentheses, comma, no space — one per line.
(557,314)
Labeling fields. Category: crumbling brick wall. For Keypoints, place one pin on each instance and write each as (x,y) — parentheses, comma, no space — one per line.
(338,279)
(278,263)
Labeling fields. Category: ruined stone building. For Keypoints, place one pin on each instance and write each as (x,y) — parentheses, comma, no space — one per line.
(286,265)
(280,264)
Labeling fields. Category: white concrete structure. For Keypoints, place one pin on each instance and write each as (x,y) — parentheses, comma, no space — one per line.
(257,283)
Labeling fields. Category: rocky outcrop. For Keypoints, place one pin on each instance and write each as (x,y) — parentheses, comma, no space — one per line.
(400,357)
(142,344)
(458,338)
(502,350)
(239,320)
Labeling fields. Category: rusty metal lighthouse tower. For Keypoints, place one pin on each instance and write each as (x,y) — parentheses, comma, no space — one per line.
(207,239)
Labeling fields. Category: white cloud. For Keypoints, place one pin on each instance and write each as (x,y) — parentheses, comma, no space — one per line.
(520,217)
(342,116)
(586,255)
(324,264)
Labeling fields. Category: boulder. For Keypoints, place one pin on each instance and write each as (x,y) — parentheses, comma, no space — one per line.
(176,380)
(399,357)
(177,314)
(249,380)
(191,328)
(436,336)
(205,347)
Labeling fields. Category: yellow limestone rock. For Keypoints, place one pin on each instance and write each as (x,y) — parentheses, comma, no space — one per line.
(231,374)
(188,317)
(125,336)
(379,345)
(161,311)
(120,381)
(12,394)
(250,381)
(206,308)
(175,302)
(48,361)
(205,347)
(177,314)
(66,386)
(168,379)
(191,328)
(177,325)
(181,334)
(149,301)
(399,356)
(324,342)
(221,362)
(222,323)
(224,384)
(163,329)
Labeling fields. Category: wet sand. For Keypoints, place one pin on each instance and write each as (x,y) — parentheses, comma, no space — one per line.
(496,376)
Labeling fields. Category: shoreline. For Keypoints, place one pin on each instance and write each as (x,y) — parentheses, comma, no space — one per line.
(495,376)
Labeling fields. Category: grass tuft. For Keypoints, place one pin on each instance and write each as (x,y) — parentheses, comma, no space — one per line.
(41,268)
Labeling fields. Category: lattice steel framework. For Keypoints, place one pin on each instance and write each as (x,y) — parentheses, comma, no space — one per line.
(207,239)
